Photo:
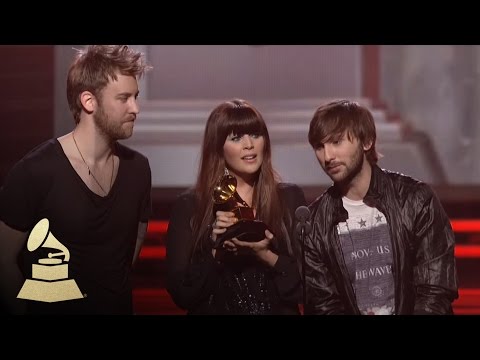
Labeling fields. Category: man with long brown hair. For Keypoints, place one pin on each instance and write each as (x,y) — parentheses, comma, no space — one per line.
(381,241)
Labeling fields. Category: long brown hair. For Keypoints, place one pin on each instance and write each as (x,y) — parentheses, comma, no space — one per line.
(238,117)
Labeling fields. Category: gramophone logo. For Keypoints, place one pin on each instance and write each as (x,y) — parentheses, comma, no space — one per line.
(50,281)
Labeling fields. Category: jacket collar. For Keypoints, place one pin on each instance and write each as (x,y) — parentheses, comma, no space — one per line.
(373,196)
(376,188)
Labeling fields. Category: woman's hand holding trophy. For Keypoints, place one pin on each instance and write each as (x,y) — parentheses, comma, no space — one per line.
(235,228)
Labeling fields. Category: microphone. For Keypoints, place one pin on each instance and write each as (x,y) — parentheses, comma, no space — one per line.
(302,214)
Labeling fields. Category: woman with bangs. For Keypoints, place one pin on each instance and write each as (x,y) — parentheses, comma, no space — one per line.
(239,277)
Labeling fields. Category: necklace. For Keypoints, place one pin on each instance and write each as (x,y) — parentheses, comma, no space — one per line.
(240,200)
(90,171)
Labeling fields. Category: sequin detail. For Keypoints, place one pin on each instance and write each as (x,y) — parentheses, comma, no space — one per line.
(246,292)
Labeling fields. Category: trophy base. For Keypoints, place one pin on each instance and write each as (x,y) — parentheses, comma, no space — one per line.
(244,230)
(50,291)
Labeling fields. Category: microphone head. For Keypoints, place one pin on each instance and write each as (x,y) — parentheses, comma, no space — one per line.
(305,226)
(302,213)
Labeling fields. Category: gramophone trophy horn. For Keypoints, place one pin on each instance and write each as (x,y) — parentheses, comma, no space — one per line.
(225,189)
(226,198)
(41,237)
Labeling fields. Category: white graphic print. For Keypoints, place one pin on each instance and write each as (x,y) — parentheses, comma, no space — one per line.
(366,245)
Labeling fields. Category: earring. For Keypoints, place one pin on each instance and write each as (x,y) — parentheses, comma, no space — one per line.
(226,173)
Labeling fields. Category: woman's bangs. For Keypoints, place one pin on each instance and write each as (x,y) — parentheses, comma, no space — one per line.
(245,122)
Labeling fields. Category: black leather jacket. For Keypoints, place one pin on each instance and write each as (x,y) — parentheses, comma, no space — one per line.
(423,249)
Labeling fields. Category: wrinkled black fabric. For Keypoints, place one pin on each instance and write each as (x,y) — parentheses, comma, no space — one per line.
(423,249)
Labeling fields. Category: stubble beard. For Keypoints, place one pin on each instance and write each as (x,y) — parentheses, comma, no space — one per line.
(351,171)
(110,129)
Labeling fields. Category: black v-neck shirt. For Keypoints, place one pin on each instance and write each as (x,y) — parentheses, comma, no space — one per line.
(99,232)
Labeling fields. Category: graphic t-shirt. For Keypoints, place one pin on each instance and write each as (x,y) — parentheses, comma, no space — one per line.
(367,251)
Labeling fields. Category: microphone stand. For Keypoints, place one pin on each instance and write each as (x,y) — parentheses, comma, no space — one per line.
(303,228)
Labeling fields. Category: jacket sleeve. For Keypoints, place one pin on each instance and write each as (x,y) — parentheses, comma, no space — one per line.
(287,279)
(322,295)
(435,275)
(287,270)
(188,283)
